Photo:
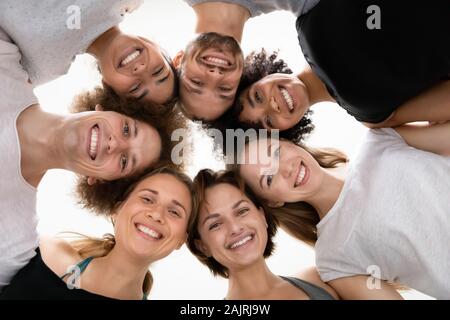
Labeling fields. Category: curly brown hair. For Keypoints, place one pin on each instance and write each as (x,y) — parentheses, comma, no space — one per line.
(205,179)
(258,65)
(98,197)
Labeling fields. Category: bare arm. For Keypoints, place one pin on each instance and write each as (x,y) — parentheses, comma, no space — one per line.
(433,138)
(432,105)
(356,288)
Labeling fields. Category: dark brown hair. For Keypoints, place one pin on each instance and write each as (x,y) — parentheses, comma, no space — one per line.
(98,197)
(205,179)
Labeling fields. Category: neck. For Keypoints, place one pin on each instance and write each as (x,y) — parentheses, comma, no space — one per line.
(38,132)
(220,17)
(317,91)
(328,193)
(254,282)
(118,275)
(103,41)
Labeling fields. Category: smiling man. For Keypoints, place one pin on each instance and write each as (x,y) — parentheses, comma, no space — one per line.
(211,66)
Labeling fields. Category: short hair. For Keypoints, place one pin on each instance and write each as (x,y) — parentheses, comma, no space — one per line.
(205,179)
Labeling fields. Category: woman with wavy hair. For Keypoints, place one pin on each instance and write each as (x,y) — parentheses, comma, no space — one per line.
(232,235)
(150,219)
(386,221)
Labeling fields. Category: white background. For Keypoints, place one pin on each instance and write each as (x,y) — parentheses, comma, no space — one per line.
(171,24)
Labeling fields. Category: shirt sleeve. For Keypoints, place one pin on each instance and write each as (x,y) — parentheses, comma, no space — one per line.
(16,90)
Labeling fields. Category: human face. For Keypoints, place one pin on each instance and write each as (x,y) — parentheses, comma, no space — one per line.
(231,228)
(135,68)
(107,145)
(298,176)
(152,221)
(210,73)
(277,101)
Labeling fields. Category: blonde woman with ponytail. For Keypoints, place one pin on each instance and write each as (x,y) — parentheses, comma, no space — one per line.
(386,222)
(150,221)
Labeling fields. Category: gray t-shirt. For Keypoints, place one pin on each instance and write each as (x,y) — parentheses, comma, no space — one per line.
(258,7)
(18,219)
(392,218)
(48,35)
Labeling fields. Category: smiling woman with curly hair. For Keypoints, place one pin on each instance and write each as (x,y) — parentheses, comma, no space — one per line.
(258,68)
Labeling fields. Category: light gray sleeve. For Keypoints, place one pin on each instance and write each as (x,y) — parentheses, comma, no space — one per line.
(16,91)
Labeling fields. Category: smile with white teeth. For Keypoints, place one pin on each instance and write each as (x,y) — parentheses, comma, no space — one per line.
(130,58)
(93,143)
(287,97)
(151,233)
(217,61)
(241,242)
(301,175)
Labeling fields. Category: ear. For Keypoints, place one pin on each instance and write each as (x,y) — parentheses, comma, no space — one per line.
(201,246)
(275,204)
(177,59)
(98,107)
(91,180)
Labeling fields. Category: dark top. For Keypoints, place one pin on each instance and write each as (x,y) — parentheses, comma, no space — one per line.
(370,73)
(314,292)
(36,281)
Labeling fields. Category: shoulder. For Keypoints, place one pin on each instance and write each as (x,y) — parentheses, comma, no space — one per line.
(58,254)
(311,275)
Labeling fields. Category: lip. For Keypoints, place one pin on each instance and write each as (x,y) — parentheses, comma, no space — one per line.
(243,236)
(305,178)
(126,53)
(88,142)
(144,235)
(214,53)
(285,104)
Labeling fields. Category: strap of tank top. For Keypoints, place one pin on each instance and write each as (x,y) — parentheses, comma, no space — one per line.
(81,266)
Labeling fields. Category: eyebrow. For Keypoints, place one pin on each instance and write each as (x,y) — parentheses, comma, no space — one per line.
(142,96)
(249,99)
(228,97)
(188,87)
(162,80)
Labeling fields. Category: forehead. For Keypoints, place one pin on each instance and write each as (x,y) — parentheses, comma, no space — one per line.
(205,106)
(221,197)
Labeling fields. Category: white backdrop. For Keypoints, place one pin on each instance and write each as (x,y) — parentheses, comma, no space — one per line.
(171,23)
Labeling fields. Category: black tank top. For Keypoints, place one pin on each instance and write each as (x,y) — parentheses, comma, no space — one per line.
(314,292)
(36,281)
(371,72)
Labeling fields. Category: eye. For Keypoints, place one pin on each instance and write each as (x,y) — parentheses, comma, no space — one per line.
(277,153)
(175,213)
(243,211)
(158,72)
(225,89)
(269,122)
(135,88)
(147,199)
(126,129)
(258,98)
(269,180)
(123,162)
(214,226)
(196,82)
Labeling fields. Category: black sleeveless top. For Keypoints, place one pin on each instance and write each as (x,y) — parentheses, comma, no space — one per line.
(372,72)
(36,281)
(314,292)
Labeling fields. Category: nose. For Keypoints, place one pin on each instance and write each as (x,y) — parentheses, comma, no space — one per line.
(156,214)
(115,144)
(138,67)
(215,72)
(236,228)
(274,105)
(286,169)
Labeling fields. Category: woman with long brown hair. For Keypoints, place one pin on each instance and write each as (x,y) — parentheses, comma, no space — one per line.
(386,221)
(150,220)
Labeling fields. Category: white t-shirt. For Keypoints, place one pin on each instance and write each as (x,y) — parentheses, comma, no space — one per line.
(48,33)
(258,7)
(18,219)
(392,218)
